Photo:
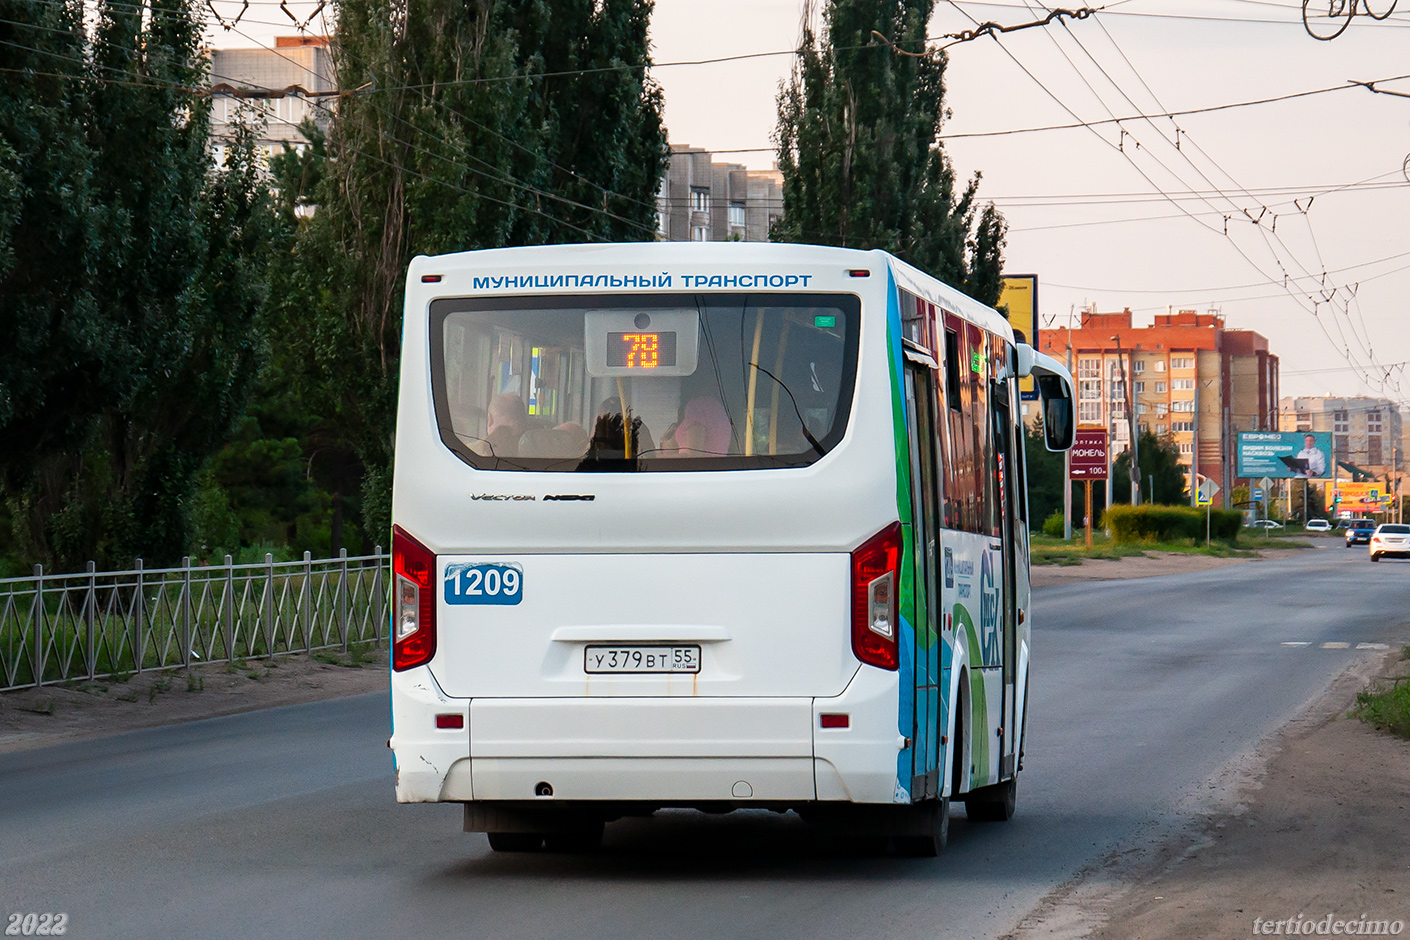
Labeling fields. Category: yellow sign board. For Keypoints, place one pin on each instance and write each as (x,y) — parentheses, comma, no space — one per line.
(1355,497)
(1020,296)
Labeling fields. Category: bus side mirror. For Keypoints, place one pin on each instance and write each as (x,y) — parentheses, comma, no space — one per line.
(1055,389)
(1025,360)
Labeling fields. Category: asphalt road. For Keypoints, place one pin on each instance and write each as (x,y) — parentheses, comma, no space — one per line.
(282,823)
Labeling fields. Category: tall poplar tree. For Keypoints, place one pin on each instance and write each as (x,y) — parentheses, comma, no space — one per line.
(450,138)
(132,280)
(598,143)
(858,137)
(58,366)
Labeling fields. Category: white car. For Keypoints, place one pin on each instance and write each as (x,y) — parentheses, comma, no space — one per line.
(1318,525)
(1265,524)
(1390,538)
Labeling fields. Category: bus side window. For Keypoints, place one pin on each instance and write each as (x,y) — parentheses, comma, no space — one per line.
(952,369)
(957,467)
(977,415)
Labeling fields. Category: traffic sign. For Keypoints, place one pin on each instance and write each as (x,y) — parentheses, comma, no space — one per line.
(1258,495)
(1089,455)
(1208,489)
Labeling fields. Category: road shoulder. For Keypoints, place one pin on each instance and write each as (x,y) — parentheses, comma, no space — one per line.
(1312,824)
(54,714)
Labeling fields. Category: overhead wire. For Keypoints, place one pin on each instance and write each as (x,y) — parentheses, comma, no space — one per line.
(153,82)
(496,134)
(1346,345)
(1272,233)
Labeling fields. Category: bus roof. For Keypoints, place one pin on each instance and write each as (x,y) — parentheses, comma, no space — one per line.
(659,254)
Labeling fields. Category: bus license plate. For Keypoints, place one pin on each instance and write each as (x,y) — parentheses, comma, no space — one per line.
(610,659)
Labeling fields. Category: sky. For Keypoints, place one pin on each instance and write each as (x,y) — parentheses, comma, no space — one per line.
(1288,218)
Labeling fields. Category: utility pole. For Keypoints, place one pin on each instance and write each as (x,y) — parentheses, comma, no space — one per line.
(1228,436)
(1067,454)
(1194,454)
(1130,425)
(1104,376)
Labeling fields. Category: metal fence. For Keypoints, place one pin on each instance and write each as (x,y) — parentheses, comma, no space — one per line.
(60,627)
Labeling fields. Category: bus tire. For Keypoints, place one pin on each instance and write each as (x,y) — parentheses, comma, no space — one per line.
(576,841)
(933,823)
(515,841)
(994,803)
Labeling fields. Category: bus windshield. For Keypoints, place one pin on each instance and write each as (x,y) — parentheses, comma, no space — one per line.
(661,382)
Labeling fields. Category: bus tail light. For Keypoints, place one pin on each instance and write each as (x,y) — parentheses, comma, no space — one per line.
(414,601)
(876,574)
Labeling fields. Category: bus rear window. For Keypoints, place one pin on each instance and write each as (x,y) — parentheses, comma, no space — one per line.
(643,383)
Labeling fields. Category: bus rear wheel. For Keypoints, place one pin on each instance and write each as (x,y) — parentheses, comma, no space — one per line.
(515,841)
(933,825)
(576,841)
(993,803)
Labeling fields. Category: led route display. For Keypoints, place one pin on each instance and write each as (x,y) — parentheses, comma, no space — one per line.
(641,350)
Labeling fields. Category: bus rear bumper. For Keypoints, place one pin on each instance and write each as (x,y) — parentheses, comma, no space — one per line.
(661,751)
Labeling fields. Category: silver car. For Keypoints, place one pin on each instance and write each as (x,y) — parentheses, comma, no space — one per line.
(1390,538)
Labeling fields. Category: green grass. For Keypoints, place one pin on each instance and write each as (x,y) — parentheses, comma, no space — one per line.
(357,656)
(1050,551)
(1387,707)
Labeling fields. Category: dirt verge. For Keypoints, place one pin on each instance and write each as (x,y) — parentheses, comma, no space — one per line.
(1149,565)
(52,714)
(1309,831)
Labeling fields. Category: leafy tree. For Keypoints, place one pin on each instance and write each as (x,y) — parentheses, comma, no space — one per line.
(599,145)
(1308,501)
(458,142)
(142,364)
(858,147)
(1045,477)
(1160,459)
(58,363)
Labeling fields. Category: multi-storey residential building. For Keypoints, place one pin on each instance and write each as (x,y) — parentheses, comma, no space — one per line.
(704,201)
(1367,433)
(288,83)
(1190,378)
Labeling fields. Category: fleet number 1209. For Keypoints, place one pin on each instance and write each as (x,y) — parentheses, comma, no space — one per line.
(484,583)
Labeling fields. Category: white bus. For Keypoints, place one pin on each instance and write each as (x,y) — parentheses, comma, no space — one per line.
(709,525)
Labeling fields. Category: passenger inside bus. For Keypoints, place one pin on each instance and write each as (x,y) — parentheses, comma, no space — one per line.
(508,419)
(704,429)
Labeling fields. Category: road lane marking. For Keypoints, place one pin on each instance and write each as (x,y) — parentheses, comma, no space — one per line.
(1298,643)
(1373,646)
(1336,646)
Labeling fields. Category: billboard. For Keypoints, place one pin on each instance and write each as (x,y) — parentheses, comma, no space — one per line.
(1089,455)
(1356,499)
(1020,295)
(1285,454)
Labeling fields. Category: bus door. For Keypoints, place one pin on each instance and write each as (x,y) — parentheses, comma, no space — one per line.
(1005,475)
(922,428)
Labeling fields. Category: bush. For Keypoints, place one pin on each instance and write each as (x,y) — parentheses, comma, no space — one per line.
(1386,709)
(1170,523)
(1053,525)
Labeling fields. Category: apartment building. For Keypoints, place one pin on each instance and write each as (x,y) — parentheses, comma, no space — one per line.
(704,201)
(1367,433)
(1189,378)
(289,83)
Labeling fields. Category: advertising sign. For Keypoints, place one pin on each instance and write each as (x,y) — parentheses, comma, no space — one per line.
(1355,498)
(1283,455)
(1020,296)
(1089,454)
